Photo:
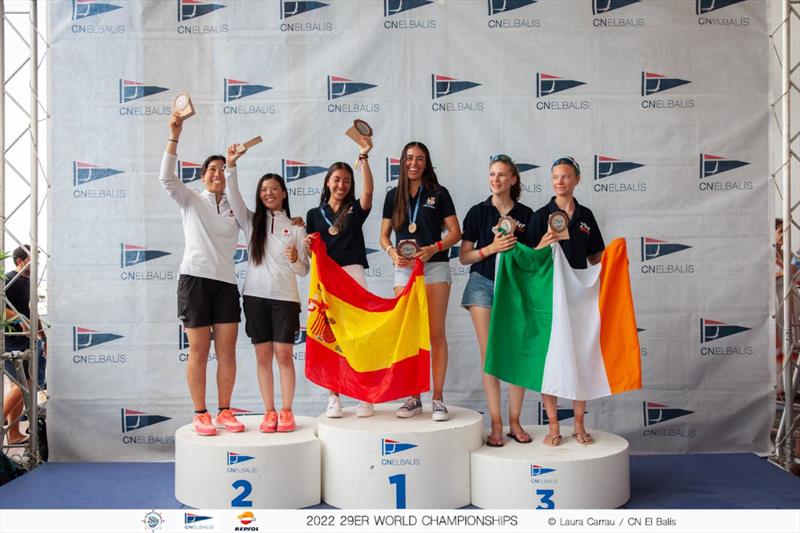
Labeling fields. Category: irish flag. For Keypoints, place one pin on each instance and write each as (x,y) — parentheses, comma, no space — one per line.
(361,345)
(566,332)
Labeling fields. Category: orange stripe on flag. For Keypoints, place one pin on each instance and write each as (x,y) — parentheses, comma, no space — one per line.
(619,341)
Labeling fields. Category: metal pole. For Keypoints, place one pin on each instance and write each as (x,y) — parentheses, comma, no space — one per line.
(2,178)
(788,389)
(34,232)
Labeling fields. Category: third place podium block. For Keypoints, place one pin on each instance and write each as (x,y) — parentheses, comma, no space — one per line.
(384,462)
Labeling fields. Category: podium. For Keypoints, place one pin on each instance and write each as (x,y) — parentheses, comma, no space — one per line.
(385,462)
(569,476)
(249,469)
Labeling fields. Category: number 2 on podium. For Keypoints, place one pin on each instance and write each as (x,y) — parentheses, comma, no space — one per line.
(247,488)
(399,481)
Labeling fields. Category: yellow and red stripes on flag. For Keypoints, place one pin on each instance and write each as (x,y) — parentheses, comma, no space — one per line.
(361,345)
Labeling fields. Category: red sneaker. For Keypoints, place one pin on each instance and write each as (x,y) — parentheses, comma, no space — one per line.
(201,424)
(285,421)
(225,420)
(269,423)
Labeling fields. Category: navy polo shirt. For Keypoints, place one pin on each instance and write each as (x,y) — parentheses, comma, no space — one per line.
(347,247)
(434,207)
(585,238)
(478,225)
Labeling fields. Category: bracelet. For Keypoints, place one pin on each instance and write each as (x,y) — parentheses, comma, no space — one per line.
(439,246)
(480,253)
(387,250)
(172,140)
(362,157)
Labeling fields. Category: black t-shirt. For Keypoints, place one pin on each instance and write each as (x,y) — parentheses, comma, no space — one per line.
(478,225)
(584,240)
(347,247)
(434,207)
(19,294)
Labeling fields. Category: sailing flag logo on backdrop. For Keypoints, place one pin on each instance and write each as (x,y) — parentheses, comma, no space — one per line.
(393,7)
(535,290)
(501,6)
(547,84)
(603,6)
(236,89)
(297,170)
(130,254)
(339,87)
(291,8)
(366,347)
(710,165)
(89,8)
(605,166)
(84,172)
(445,85)
(83,338)
(704,6)
(133,90)
(652,248)
(189,172)
(189,9)
(132,420)
(655,83)
(711,330)
(655,413)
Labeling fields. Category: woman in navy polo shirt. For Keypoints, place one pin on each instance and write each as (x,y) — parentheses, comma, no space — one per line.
(482,240)
(339,219)
(419,208)
(585,246)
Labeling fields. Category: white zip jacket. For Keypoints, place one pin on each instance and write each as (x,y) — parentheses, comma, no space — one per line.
(210,230)
(275,278)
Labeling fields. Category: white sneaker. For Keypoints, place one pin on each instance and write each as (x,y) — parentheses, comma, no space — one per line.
(364,410)
(334,409)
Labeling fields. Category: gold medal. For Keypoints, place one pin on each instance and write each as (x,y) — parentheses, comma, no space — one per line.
(333,230)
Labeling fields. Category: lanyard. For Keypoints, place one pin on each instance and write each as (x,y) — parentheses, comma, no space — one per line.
(412,218)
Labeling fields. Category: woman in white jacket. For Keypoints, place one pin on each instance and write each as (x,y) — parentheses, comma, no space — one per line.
(208,298)
(270,296)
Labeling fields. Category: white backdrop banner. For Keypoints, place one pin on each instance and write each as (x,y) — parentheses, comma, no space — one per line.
(664,104)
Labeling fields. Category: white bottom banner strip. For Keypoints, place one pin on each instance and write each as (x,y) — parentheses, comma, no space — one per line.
(461,521)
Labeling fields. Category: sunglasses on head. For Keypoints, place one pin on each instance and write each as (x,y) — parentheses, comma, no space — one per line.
(567,160)
(503,158)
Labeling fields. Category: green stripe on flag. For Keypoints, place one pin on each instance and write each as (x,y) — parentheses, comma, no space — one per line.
(522,316)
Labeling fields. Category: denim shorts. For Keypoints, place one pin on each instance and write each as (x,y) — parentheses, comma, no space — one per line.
(438,272)
(478,292)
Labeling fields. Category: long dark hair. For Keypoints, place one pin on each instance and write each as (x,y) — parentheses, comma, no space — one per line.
(429,181)
(349,200)
(258,239)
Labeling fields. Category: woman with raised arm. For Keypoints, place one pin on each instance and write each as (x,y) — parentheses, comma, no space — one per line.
(270,296)
(339,220)
(208,298)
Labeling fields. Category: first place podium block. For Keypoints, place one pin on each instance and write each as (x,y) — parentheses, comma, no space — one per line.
(383,462)
(249,469)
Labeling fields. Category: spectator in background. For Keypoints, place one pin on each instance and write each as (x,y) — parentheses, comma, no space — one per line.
(18,287)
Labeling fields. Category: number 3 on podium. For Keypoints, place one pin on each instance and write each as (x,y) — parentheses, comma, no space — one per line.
(546,501)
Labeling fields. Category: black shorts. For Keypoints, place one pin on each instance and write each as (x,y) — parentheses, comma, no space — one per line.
(271,320)
(204,301)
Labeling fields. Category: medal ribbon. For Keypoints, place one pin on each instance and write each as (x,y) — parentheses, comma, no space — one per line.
(412,218)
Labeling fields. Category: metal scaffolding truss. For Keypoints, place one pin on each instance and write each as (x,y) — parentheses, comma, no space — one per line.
(22,26)
(787,119)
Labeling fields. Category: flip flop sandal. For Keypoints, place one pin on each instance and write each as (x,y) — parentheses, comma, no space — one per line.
(552,440)
(583,438)
(496,443)
(518,437)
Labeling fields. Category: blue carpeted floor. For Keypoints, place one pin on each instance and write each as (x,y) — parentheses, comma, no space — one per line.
(694,481)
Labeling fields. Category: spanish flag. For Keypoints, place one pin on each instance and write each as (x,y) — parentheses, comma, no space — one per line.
(363,346)
(561,331)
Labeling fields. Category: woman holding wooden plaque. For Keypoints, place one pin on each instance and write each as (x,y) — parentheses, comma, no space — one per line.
(417,210)
(339,220)
(208,298)
(574,228)
(491,227)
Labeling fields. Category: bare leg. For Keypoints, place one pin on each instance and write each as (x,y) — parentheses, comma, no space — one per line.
(225,346)
(264,371)
(283,353)
(551,407)
(199,344)
(438,295)
(491,385)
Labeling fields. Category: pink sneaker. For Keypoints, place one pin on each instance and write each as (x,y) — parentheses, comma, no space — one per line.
(201,424)
(285,421)
(269,423)
(225,420)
